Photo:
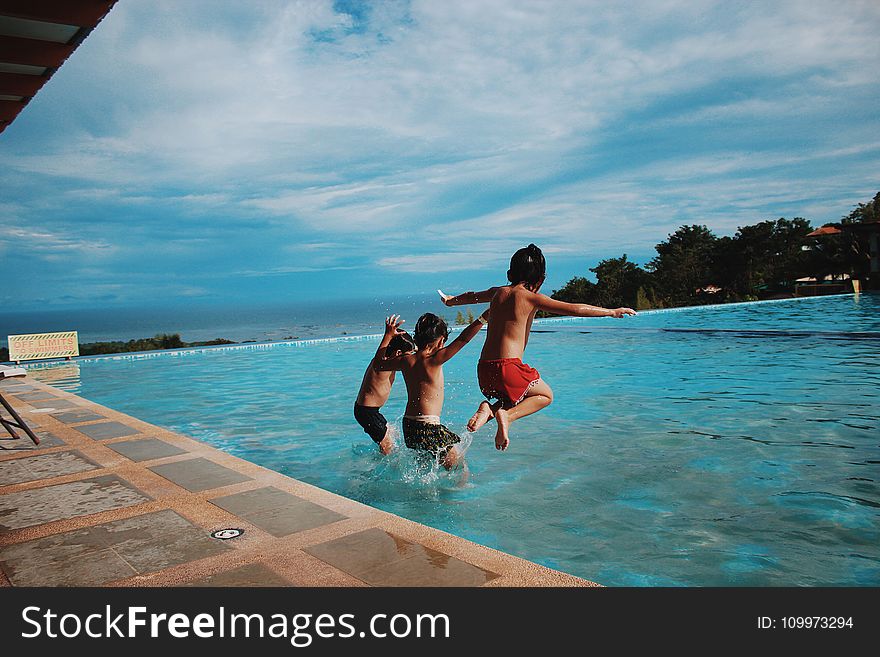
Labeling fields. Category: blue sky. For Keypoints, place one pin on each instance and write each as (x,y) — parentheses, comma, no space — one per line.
(227,152)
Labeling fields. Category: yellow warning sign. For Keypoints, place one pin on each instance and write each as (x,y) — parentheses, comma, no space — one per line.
(34,346)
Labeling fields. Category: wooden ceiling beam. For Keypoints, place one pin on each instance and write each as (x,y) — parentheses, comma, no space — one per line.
(84,13)
(16,84)
(16,50)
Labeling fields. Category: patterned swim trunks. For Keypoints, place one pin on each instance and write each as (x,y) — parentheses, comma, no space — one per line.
(429,435)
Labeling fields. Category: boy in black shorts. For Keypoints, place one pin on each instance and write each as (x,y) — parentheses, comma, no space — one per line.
(376,387)
(423,374)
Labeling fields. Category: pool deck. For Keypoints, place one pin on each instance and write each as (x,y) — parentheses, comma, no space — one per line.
(109,500)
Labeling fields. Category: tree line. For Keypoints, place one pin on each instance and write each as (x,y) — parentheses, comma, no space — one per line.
(693,266)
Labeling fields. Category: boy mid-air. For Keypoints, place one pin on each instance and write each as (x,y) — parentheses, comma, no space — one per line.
(518,388)
(423,374)
(376,387)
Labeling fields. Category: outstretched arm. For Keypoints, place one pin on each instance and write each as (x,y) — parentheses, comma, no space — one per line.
(393,364)
(468,298)
(392,328)
(547,304)
(463,338)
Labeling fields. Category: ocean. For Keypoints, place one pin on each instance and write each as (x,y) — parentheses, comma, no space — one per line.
(240,323)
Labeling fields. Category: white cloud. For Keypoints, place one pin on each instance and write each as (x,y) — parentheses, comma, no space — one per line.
(442,262)
(465,79)
(281,271)
(492,123)
(46,243)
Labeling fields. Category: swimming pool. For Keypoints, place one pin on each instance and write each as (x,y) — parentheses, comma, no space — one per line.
(733,445)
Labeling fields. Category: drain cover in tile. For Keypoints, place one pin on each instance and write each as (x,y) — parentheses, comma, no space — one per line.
(226,534)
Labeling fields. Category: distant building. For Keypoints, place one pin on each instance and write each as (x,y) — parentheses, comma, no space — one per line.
(809,286)
(865,236)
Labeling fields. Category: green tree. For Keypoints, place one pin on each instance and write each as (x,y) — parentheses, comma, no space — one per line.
(725,268)
(869,211)
(644,300)
(683,264)
(170,341)
(618,282)
(577,290)
(855,246)
(459,319)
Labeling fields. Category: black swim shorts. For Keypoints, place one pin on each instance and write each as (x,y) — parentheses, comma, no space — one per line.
(373,422)
(427,436)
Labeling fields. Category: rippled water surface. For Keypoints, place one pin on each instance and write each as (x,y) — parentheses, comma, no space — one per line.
(733,445)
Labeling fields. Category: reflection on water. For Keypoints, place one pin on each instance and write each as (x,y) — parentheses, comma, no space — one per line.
(65,376)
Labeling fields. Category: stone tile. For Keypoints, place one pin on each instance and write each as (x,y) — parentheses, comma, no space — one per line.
(10,385)
(255,501)
(89,569)
(24,443)
(363,551)
(105,430)
(283,522)
(199,474)
(255,574)
(29,397)
(146,449)
(109,551)
(159,540)
(48,439)
(382,559)
(54,404)
(72,417)
(13,472)
(276,511)
(43,466)
(76,498)
(431,568)
(33,421)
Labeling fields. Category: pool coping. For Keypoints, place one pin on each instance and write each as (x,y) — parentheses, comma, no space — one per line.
(307,536)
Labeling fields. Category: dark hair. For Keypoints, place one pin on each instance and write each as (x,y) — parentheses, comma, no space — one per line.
(402,342)
(429,328)
(527,266)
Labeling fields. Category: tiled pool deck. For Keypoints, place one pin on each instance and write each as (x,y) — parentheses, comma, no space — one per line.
(109,500)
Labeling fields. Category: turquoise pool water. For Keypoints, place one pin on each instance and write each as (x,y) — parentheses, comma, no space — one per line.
(733,445)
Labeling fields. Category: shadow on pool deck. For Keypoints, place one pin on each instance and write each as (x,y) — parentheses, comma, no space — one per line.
(109,500)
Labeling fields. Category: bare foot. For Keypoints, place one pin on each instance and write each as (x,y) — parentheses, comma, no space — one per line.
(465,474)
(452,458)
(386,445)
(483,415)
(502,440)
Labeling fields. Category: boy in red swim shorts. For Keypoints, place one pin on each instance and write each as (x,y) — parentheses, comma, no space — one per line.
(517,388)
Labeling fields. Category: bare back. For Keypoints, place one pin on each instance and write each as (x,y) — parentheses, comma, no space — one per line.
(423,369)
(375,387)
(424,384)
(512,311)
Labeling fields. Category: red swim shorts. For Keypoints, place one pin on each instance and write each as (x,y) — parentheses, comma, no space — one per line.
(506,379)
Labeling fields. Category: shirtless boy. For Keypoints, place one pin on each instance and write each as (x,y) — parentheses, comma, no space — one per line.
(423,374)
(376,387)
(517,388)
